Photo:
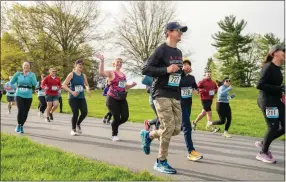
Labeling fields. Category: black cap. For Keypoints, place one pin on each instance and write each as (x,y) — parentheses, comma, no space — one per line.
(276,48)
(79,61)
(175,26)
(186,60)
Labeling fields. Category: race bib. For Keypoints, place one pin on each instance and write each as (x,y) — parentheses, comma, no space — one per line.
(78,88)
(186,92)
(23,89)
(272,112)
(211,92)
(174,80)
(54,88)
(122,84)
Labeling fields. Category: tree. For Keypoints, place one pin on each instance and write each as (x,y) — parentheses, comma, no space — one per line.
(141,30)
(57,33)
(230,44)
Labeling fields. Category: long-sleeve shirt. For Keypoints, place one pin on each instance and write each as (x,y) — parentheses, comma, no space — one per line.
(24,84)
(207,89)
(222,94)
(11,92)
(164,84)
(270,82)
(53,84)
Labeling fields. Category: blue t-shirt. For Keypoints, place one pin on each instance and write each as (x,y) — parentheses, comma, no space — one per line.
(24,84)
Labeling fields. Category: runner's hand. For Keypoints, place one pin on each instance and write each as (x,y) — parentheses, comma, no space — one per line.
(99,56)
(75,94)
(173,68)
(89,93)
(134,84)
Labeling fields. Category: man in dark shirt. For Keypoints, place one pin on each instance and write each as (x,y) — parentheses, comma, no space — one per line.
(165,66)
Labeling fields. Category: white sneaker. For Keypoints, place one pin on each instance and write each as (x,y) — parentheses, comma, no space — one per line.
(9,112)
(74,133)
(115,138)
(78,128)
(39,113)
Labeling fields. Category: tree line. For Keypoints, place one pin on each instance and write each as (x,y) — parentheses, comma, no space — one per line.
(56,33)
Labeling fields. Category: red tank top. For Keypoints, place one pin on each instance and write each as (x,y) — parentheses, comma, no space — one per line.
(117,84)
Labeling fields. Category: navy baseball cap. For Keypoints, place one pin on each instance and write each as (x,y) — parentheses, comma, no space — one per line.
(175,26)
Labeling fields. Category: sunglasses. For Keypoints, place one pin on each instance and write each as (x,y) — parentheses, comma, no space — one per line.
(178,30)
(227,80)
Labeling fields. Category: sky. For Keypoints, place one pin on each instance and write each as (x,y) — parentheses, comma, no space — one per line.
(201,17)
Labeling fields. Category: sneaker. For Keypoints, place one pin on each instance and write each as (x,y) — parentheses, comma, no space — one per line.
(51,116)
(145,141)
(115,138)
(164,167)
(226,135)
(216,130)
(267,158)
(9,111)
(47,119)
(194,156)
(146,125)
(79,129)
(108,122)
(74,133)
(18,128)
(39,113)
(21,129)
(104,120)
(194,125)
(208,125)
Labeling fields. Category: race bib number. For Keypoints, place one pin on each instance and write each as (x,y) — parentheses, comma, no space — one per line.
(272,112)
(78,88)
(211,92)
(23,89)
(174,80)
(122,84)
(54,88)
(186,92)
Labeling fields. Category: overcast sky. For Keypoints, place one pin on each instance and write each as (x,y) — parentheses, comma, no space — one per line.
(202,17)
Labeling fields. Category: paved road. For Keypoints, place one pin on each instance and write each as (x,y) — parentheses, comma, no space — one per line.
(224,159)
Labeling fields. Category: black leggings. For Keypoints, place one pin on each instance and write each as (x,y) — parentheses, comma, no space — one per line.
(23,105)
(274,130)
(120,112)
(108,116)
(224,112)
(76,106)
(43,104)
(61,103)
(155,121)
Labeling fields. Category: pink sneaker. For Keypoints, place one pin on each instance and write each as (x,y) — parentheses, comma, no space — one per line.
(146,125)
(267,158)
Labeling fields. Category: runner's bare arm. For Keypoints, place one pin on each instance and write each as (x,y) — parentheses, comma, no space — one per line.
(86,82)
(128,86)
(66,82)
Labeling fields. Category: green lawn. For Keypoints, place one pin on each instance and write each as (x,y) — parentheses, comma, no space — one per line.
(22,159)
(247,117)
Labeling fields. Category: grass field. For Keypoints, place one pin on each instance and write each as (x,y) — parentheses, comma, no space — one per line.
(247,117)
(22,159)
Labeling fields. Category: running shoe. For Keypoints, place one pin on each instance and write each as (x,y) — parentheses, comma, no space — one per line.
(73,133)
(47,119)
(208,125)
(145,141)
(21,129)
(108,122)
(9,111)
(226,135)
(216,130)
(265,157)
(164,167)
(18,128)
(194,156)
(104,120)
(115,138)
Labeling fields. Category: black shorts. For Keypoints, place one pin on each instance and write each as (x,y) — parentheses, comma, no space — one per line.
(10,98)
(207,105)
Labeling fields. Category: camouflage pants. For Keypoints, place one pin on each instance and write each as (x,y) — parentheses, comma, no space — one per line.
(170,117)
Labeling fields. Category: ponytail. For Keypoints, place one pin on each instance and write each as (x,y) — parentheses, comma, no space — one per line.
(268,59)
(219,83)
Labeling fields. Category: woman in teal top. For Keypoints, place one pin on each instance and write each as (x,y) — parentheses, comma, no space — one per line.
(25,81)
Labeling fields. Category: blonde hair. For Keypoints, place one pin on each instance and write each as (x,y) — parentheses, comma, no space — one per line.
(114,61)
